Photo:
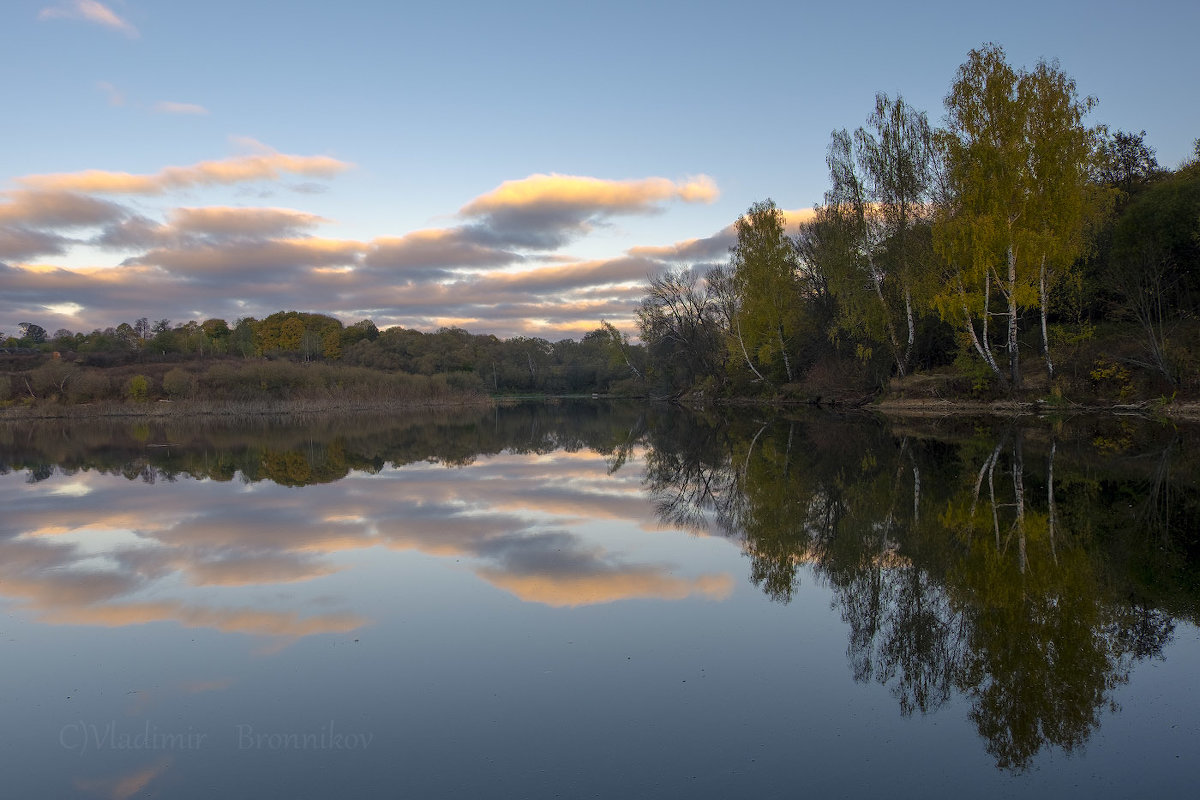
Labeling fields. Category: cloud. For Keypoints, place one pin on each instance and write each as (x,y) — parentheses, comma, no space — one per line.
(442,248)
(546,211)
(237,169)
(56,209)
(583,195)
(89,11)
(503,268)
(708,248)
(231,222)
(240,259)
(168,107)
(112,93)
(18,244)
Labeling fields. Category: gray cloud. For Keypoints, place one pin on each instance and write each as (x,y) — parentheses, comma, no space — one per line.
(57,209)
(221,222)
(19,244)
(442,249)
(708,248)
(270,258)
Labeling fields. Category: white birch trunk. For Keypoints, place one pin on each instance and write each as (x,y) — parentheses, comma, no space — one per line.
(1014,366)
(1044,301)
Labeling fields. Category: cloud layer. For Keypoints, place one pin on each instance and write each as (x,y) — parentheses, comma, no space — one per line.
(503,265)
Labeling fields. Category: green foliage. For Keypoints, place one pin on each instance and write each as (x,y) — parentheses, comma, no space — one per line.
(763,264)
(876,255)
(1110,377)
(138,388)
(977,374)
(1019,202)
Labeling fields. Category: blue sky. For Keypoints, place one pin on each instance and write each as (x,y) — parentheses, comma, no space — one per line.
(383,159)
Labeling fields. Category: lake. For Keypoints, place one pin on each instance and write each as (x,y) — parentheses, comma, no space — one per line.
(590,599)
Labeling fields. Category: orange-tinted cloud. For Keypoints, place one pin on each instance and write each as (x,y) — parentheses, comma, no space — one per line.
(236,169)
(545,211)
(543,192)
(568,591)
(89,11)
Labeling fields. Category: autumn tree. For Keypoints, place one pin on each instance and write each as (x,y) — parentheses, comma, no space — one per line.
(875,255)
(1017,163)
(763,267)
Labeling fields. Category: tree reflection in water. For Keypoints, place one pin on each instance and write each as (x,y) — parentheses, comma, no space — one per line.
(1025,568)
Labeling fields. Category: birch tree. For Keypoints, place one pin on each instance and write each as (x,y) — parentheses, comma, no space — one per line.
(1017,160)
(881,180)
(763,265)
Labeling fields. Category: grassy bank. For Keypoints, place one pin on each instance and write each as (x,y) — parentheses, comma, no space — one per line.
(51,388)
(238,408)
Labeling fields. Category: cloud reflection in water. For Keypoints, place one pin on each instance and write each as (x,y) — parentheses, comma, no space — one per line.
(190,551)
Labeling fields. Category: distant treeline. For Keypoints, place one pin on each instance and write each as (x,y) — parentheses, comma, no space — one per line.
(297,355)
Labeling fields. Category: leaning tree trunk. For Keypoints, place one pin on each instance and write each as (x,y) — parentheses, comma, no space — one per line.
(983,348)
(912,328)
(787,362)
(746,355)
(1014,365)
(891,328)
(1044,301)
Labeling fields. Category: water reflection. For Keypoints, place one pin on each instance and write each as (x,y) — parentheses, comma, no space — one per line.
(92,560)
(1014,565)
(1020,572)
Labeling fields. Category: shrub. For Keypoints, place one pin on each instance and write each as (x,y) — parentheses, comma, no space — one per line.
(1108,376)
(90,384)
(138,388)
(178,383)
(52,378)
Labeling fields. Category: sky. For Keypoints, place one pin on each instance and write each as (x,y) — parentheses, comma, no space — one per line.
(517,168)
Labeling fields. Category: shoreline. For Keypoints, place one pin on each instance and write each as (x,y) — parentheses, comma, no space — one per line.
(889,407)
(175,409)
(1189,411)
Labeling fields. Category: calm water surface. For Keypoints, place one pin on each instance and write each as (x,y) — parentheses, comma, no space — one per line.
(592,600)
